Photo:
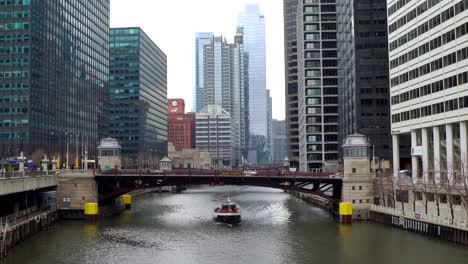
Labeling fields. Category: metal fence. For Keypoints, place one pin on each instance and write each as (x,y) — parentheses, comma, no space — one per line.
(26,174)
(433,219)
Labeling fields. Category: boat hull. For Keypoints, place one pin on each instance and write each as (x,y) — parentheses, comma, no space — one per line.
(228,219)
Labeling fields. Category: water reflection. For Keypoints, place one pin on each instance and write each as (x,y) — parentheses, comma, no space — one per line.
(275,228)
(90,230)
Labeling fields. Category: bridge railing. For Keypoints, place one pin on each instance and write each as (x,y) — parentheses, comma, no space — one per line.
(26,174)
(421,216)
(215,173)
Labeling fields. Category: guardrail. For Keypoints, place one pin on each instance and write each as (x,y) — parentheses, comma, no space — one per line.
(14,218)
(217,173)
(433,219)
(25,174)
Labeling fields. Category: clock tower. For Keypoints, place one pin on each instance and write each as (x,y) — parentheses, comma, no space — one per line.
(175,106)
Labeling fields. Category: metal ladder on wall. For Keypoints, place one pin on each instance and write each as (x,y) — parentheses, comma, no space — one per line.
(3,232)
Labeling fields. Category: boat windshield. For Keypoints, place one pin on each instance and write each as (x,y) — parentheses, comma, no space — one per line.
(229,206)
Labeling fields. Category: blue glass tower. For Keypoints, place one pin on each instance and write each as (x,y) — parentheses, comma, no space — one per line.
(138,96)
(253,23)
(54,67)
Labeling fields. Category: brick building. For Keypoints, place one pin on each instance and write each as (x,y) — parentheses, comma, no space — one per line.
(181,125)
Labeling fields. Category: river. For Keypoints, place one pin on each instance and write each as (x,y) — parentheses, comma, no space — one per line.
(275,228)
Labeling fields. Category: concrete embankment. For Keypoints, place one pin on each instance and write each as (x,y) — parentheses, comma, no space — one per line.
(23,227)
(441,230)
(316,200)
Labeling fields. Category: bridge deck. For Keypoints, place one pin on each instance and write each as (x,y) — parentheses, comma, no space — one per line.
(117,182)
(217,173)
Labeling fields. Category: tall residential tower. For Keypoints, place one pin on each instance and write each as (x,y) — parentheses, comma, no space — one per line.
(291,96)
(226,84)
(201,39)
(317,85)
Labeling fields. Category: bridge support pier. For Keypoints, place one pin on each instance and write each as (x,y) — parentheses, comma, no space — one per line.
(127,201)
(75,189)
(91,212)
(346,213)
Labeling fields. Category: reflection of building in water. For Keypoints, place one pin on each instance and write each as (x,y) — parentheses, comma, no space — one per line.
(126,217)
(90,230)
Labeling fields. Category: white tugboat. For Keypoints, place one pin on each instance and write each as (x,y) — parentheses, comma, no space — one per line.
(228,212)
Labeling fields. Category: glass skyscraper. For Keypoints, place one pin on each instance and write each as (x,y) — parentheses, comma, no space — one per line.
(201,39)
(253,23)
(138,96)
(54,66)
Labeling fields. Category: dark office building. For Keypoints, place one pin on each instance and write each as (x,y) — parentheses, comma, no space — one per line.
(363,72)
(291,95)
(138,96)
(54,66)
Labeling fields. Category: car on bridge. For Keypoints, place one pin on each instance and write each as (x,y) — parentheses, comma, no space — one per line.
(250,172)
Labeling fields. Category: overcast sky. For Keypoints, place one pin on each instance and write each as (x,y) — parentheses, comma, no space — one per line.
(172,26)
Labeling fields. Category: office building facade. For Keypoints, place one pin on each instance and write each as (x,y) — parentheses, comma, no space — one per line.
(317,85)
(279,142)
(181,125)
(291,94)
(364,106)
(54,65)
(214,134)
(428,45)
(138,96)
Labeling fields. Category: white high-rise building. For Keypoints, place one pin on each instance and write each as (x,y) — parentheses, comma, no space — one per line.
(225,84)
(214,134)
(428,45)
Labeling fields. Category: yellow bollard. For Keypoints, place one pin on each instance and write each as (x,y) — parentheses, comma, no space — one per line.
(91,211)
(127,201)
(346,213)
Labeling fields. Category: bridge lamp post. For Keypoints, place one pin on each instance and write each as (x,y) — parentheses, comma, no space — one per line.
(2,28)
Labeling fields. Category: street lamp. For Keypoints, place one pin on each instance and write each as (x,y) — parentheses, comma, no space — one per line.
(2,28)
(66,138)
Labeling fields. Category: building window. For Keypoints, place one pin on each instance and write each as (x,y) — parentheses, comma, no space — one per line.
(456,199)
(430,197)
(443,198)
(418,196)
(402,196)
